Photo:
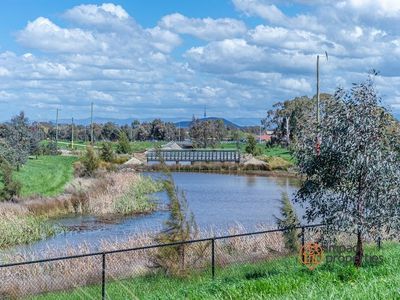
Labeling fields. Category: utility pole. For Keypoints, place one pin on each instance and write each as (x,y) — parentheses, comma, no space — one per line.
(91,124)
(259,139)
(318,139)
(318,100)
(72,134)
(57,129)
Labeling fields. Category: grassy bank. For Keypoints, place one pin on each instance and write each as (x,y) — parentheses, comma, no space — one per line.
(45,176)
(279,279)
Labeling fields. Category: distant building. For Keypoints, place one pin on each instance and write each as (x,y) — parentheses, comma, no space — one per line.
(264,137)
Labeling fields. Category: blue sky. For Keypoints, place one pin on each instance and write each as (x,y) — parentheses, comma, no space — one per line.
(157,58)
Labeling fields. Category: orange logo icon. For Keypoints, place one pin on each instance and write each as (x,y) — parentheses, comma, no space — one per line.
(311,255)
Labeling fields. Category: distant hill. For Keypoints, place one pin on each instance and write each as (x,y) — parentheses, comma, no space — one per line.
(235,123)
(227,123)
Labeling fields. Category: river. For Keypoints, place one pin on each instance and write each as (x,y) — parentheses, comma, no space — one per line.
(218,201)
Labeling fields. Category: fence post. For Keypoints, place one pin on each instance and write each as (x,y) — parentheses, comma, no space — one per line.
(302,236)
(379,242)
(213,258)
(103,277)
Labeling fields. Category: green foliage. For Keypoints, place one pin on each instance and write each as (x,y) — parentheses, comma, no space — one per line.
(10,187)
(206,133)
(251,146)
(107,152)
(20,138)
(138,198)
(288,219)
(353,185)
(180,226)
(90,162)
(123,146)
(292,117)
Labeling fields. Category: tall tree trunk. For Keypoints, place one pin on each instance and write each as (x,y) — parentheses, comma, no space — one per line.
(358,258)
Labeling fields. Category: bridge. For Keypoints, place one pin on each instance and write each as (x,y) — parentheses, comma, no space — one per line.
(193,156)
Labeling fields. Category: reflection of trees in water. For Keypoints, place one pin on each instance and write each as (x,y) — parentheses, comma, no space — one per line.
(251,180)
(286,182)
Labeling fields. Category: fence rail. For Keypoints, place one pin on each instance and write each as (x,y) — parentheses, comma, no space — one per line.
(102,256)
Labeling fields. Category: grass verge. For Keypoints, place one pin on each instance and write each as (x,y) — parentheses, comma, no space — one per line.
(279,279)
(45,176)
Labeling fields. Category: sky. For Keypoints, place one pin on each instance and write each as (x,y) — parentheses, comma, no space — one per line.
(169,59)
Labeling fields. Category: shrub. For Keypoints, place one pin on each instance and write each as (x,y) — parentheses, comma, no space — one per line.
(251,146)
(180,226)
(106,152)
(289,220)
(123,146)
(10,188)
(90,162)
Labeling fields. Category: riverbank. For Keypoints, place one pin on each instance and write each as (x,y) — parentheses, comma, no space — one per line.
(217,168)
(110,195)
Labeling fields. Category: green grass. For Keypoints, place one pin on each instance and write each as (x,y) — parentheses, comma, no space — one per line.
(46,176)
(279,279)
(137,146)
(269,151)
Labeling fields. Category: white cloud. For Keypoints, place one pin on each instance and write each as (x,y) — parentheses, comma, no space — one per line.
(164,40)
(102,54)
(98,95)
(98,15)
(207,29)
(274,15)
(45,35)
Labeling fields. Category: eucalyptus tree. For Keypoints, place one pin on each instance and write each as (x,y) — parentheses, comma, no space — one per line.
(353,184)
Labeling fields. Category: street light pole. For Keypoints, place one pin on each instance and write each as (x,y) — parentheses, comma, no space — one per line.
(57,129)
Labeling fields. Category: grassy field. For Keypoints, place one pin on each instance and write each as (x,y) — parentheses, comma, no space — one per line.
(276,151)
(46,175)
(279,279)
(137,146)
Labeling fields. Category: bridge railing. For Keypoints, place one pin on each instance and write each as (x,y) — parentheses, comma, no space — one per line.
(194,155)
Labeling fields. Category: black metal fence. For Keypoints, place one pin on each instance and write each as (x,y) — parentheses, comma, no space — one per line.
(22,279)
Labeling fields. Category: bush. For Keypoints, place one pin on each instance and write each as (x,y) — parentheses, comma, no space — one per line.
(180,226)
(106,152)
(10,188)
(251,146)
(90,162)
(289,220)
(123,146)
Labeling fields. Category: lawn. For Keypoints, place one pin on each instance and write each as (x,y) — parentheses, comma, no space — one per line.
(46,175)
(279,279)
(275,151)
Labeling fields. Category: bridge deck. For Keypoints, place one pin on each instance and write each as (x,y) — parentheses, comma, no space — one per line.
(194,155)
